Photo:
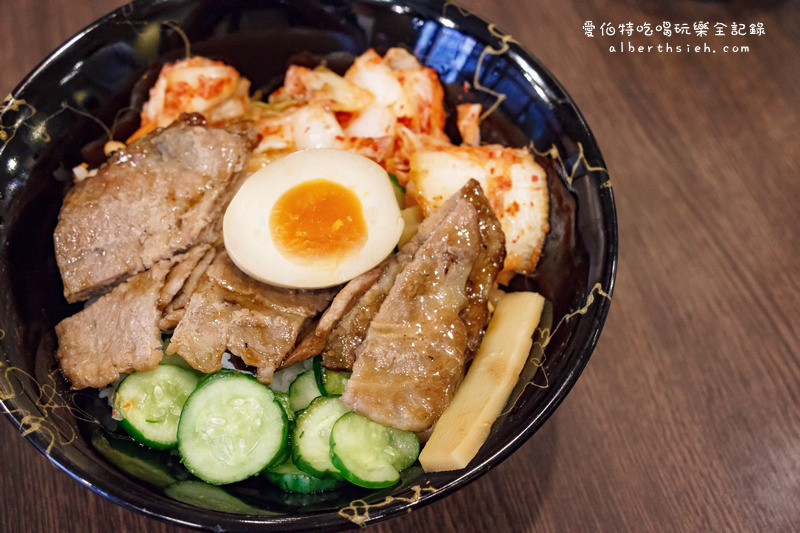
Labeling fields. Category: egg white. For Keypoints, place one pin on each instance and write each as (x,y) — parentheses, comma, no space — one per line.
(246,225)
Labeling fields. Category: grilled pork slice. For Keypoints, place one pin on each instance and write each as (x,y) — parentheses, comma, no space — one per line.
(121,331)
(415,349)
(255,321)
(117,333)
(181,283)
(349,332)
(314,341)
(486,269)
(162,194)
(344,324)
(180,273)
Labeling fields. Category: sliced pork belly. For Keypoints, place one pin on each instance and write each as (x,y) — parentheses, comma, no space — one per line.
(486,269)
(117,333)
(316,339)
(344,324)
(349,332)
(415,348)
(162,194)
(121,331)
(230,311)
(182,282)
(180,273)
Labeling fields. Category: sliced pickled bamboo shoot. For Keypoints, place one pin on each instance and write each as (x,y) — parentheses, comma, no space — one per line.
(465,424)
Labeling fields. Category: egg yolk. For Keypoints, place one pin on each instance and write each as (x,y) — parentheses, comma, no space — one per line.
(318,220)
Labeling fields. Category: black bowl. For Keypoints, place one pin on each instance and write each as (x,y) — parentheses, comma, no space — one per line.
(53,121)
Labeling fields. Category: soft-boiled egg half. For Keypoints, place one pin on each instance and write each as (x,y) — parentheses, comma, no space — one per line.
(315,218)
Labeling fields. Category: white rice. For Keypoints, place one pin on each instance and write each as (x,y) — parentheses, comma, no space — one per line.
(108,392)
(283,378)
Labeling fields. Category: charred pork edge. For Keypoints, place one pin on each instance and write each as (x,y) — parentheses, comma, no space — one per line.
(315,340)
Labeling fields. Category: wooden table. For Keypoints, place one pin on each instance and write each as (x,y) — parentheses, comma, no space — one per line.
(688,415)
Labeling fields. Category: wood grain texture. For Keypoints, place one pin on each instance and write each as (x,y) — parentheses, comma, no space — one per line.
(687,418)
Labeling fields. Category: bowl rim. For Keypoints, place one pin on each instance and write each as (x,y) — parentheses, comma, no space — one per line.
(187,515)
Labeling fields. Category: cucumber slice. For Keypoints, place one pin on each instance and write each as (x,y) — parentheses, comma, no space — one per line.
(231,428)
(303,390)
(329,382)
(365,453)
(208,496)
(177,360)
(150,404)
(282,378)
(285,455)
(134,459)
(311,449)
(289,478)
(404,446)
(283,399)
(335,381)
(319,375)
